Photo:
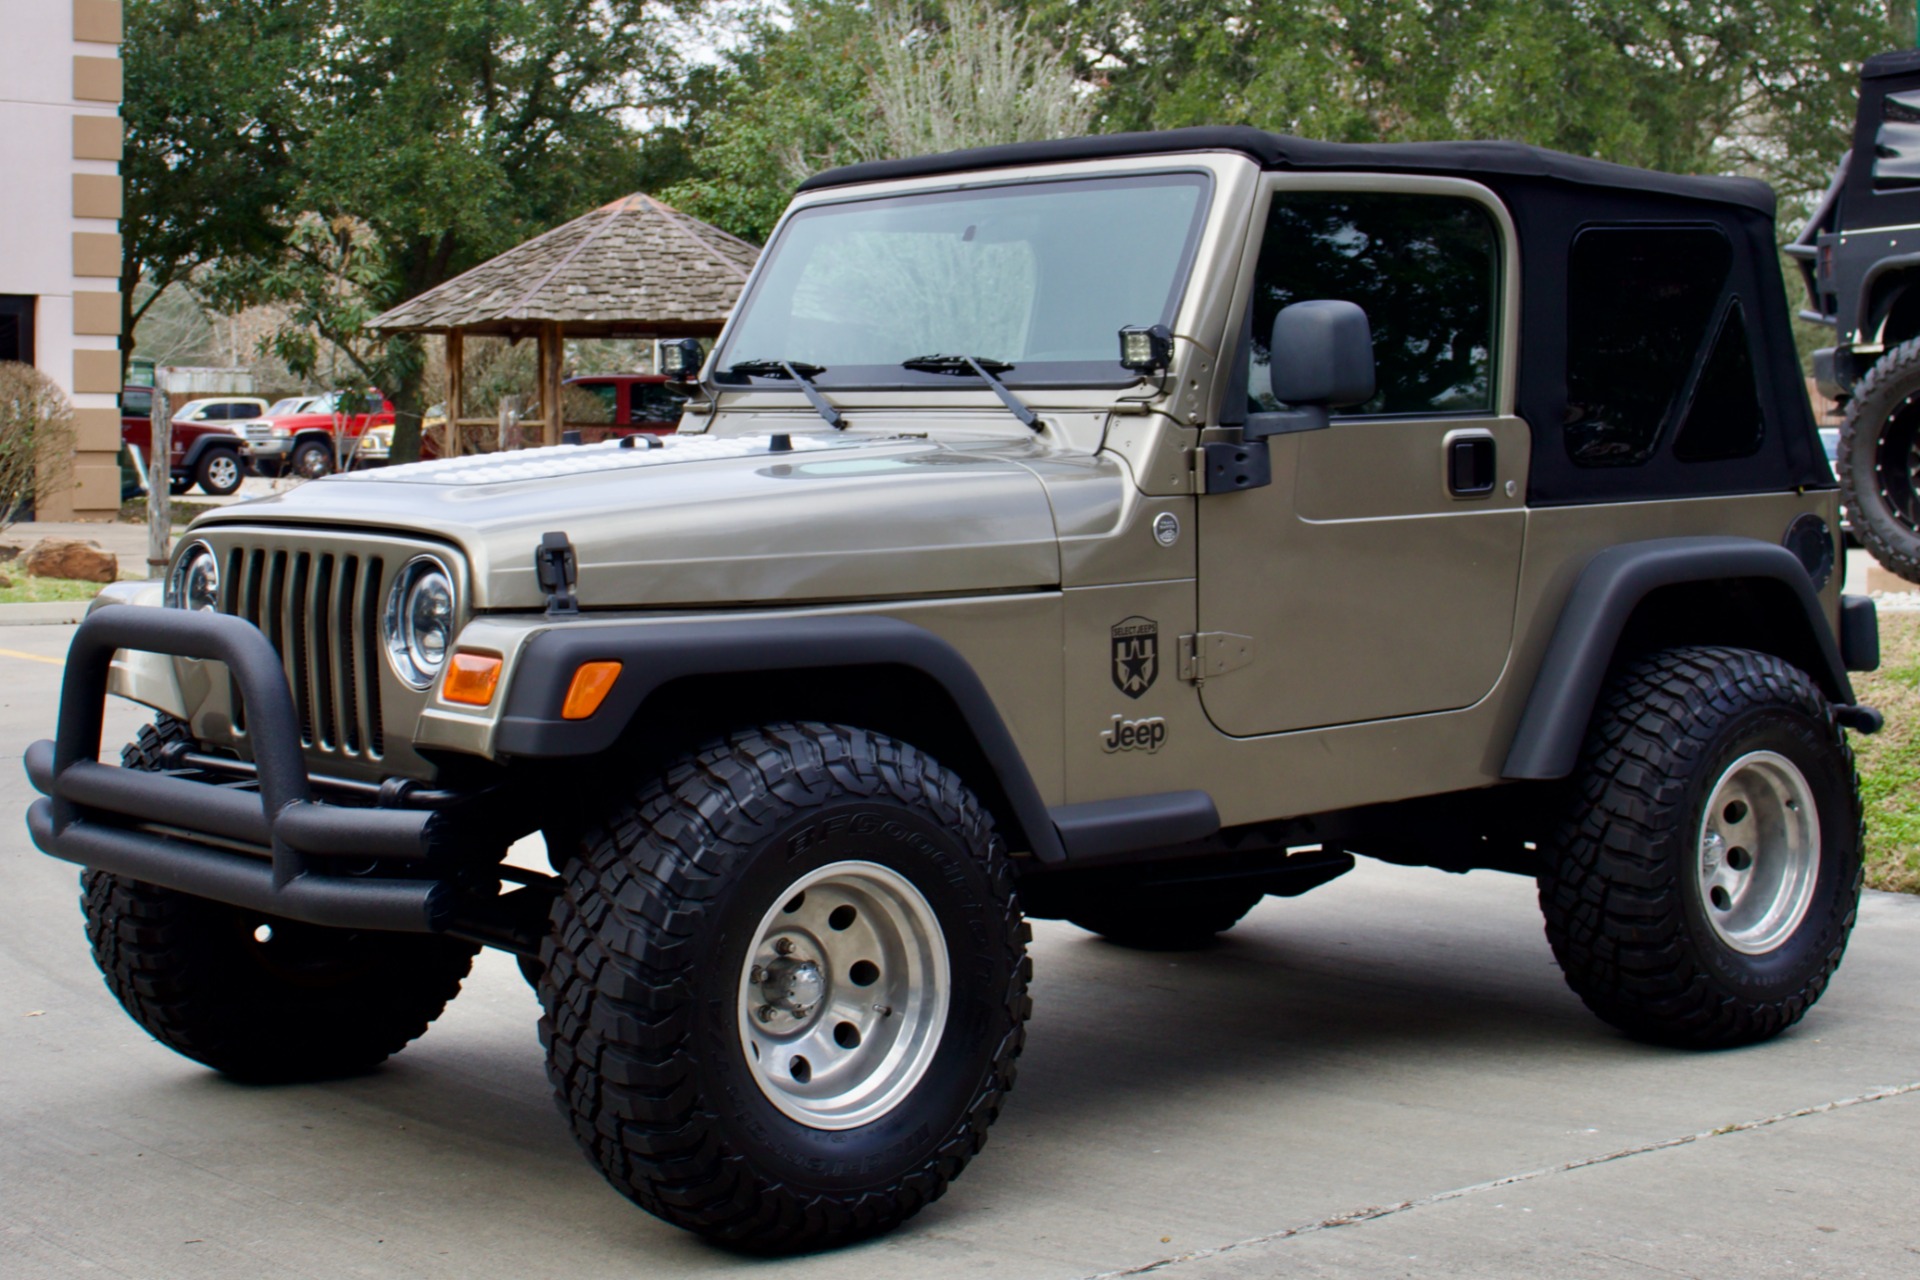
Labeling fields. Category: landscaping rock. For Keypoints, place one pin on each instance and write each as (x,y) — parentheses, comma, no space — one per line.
(71,558)
(8,551)
(5,582)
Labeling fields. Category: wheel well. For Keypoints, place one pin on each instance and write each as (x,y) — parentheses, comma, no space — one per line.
(1746,613)
(683,715)
(1896,308)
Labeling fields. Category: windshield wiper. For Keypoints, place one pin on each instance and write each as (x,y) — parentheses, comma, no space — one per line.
(804,374)
(985,369)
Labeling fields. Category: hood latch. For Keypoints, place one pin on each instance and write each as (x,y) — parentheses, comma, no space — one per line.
(558,571)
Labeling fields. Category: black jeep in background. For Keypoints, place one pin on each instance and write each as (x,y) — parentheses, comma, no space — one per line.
(1860,258)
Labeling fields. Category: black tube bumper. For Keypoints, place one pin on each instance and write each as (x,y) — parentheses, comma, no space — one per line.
(275,849)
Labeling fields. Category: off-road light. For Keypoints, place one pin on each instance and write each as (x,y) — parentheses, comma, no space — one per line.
(1146,348)
(681,359)
(194,582)
(471,679)
(418,625)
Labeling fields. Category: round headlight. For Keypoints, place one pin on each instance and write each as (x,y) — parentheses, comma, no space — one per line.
(194,582)
(419,621)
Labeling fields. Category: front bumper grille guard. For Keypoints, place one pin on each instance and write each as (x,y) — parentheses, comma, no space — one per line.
(104,817)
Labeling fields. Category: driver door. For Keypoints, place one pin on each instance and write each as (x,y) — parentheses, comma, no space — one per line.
(1376,574)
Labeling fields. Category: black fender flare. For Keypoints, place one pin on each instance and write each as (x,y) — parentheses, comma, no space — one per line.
(654,653)
(211,440)
(1547,742)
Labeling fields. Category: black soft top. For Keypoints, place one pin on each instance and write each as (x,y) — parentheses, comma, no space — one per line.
(1881,65)
(1282,151)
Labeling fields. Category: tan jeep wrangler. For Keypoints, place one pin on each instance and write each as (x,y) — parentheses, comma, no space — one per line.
(1119,529)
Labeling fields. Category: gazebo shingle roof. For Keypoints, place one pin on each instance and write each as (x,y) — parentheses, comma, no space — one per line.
(635,264)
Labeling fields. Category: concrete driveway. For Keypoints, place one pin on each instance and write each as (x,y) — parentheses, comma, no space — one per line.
(1384,1078)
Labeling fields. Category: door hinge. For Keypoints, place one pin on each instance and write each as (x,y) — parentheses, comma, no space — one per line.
(1213,653)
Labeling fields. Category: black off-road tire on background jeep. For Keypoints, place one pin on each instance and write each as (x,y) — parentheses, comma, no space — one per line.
(665,965)
(1163,917)
(1879,461)
(219,472)
(1663,919)
(253,996)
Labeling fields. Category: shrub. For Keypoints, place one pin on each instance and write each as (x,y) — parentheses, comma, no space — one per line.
(36,438)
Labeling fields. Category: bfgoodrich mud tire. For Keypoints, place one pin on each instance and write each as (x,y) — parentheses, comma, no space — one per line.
(1879,461)
(663,981)
(254,996)
(1702,887)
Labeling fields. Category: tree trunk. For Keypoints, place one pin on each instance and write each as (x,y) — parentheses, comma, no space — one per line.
(407,405)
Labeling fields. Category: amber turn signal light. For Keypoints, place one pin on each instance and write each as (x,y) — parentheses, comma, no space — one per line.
(471,679)
(591,685)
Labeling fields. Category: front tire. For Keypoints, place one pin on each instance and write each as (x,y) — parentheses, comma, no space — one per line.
(254,996)
(786,986)
(1702,887)
(1878,461)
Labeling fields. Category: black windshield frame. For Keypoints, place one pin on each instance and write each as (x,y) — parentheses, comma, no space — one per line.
(1089,374)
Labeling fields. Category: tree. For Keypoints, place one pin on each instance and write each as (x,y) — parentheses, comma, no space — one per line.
(1757,86)
(435,137)
(845,81)
(213,94)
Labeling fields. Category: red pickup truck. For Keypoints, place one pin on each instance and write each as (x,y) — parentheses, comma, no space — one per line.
(300,438)
(208,438)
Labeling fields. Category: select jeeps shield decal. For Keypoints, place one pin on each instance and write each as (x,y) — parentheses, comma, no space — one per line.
(1136,655)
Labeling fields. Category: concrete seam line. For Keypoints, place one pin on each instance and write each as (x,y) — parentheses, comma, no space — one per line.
(1371,1212)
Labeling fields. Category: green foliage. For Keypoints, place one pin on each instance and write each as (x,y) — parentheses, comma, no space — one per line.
(1761,86)
(792,99)
(1889,761)
(213,89)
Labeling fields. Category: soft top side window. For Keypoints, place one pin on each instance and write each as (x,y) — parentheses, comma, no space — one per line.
(1642,303)
(1896,144)
(1425,269)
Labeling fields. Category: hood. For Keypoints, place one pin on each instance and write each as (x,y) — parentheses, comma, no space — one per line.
(701,520)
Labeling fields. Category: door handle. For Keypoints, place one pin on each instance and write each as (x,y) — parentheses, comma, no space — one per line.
(1471,464)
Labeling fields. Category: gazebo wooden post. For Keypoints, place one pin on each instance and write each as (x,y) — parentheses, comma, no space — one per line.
(451,447)
(552,358)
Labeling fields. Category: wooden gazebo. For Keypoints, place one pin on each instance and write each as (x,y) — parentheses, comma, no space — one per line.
(636,268)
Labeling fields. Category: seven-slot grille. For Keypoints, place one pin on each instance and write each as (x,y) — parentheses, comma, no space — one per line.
(321,611)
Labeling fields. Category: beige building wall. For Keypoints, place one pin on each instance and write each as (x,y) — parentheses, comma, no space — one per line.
(60,144)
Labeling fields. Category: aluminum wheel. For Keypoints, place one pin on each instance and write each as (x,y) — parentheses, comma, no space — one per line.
(223,473)
(843,996)
(1759,852)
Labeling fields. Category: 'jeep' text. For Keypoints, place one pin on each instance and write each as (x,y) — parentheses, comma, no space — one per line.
(1135,735)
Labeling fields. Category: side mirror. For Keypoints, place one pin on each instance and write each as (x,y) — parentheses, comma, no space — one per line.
(1322,358)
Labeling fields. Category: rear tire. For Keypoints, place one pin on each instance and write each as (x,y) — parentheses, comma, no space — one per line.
(1702,887)
(311,460)
(787,1097)
(254,996)
(1163,917)
(1879,461)
(219,472)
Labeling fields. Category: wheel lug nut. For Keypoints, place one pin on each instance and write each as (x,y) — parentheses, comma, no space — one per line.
(764,1013)
(784,946)
(759,973)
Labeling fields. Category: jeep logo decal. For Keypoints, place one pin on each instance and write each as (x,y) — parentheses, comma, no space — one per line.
(1134,735)
(1136,655)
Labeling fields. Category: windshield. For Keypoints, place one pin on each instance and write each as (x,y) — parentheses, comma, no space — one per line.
(1039,275)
